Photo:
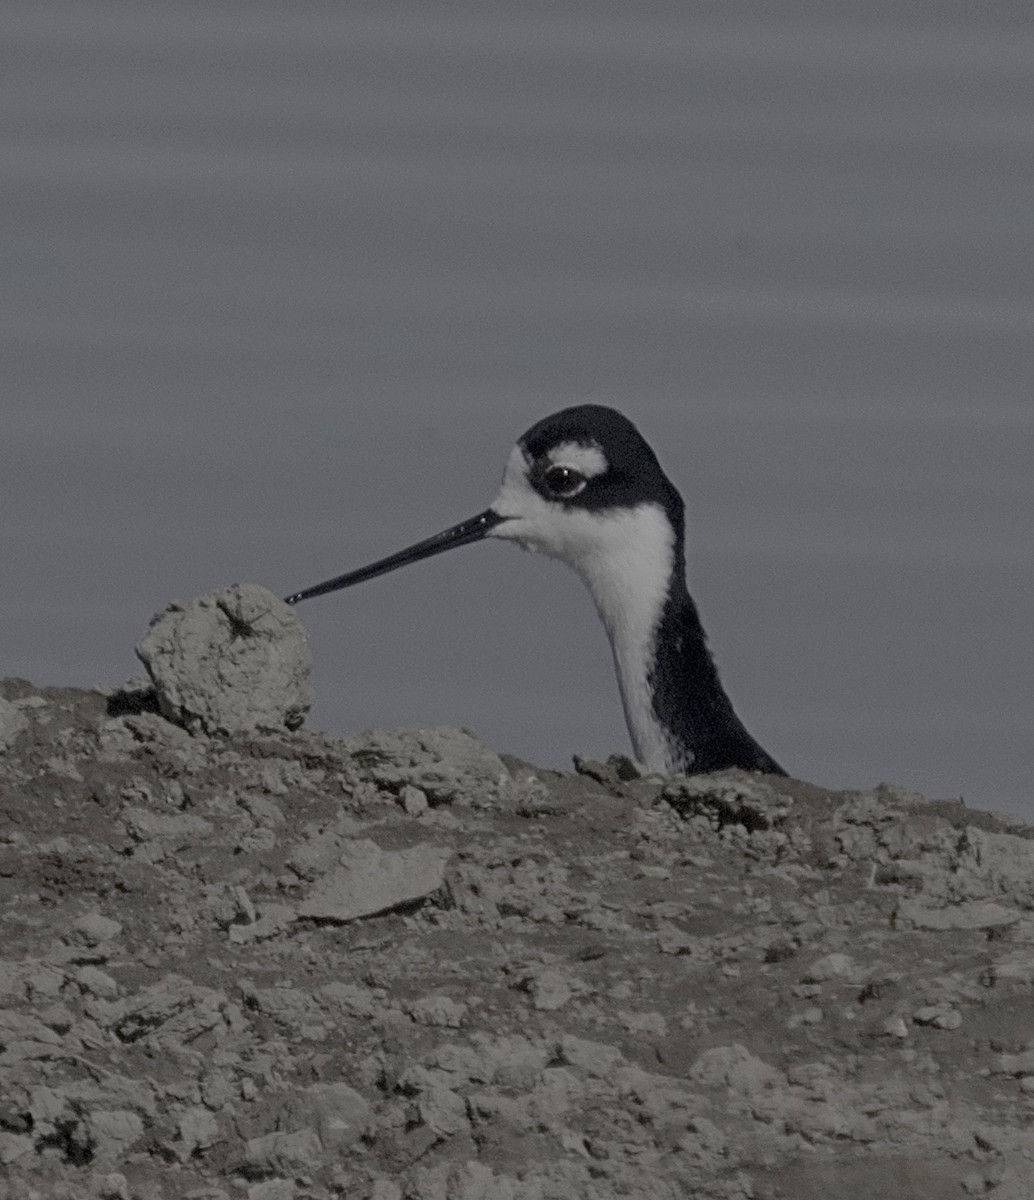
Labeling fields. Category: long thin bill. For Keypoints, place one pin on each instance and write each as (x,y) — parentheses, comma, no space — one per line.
(472,530)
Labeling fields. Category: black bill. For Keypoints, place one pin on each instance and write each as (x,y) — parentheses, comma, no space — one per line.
(472,530)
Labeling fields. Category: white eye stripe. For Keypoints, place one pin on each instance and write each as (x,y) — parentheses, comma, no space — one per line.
(589,461)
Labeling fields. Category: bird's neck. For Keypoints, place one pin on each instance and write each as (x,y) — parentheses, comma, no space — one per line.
(679,716)
(688,699)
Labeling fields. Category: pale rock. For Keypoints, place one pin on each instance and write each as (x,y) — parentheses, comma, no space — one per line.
(971,914)
(94,928)
(12,722)
(595,1058)
(369,880)
(233,661)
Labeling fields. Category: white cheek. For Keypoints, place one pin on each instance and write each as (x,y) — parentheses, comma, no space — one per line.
(528,516)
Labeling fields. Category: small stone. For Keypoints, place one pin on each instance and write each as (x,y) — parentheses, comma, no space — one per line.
(114,1186)
(93,928)
(438,1010)
(370,880)
(1016,1064)
(1017,966)
(940,1016)
(673,940)
(340,1113)
(952,1019)
(974,914)
(549,990)
(113,1131)
(12,722)
(653,871)
(96,982)
(414,801)
(14,1146)
(442,1110)
(595,1058)
(272,1189)
(895,1027)
(831,966)
(199,1130)
(295,1152)
(385,1189)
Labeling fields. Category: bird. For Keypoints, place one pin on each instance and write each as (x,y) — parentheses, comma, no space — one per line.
(584,486)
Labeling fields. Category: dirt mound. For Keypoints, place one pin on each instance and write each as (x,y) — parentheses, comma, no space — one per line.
(285,965)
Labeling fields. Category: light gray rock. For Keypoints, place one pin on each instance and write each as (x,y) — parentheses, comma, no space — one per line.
(975,914)
(595,1058)
(1017,965)
(234,661)
(370,880)
(449,766)
(113,1131)
(14,1146)
(832,966)
(12,722)
(1015,1064)
(95,928)
(443,1111)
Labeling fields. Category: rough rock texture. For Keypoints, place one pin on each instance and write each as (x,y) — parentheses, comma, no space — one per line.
(721,987)
(234,661)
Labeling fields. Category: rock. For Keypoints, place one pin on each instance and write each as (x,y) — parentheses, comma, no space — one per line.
(269,920)
(439,1010)
(96,982)
(1017,965)
(198,1130)
(941,1016)
(273,1189)
(14,1146)
(974,914)
(234,661)
(449,766)
(339,1113)
(113,1186)
(385,1189)
(316,1125)
(12,722)
(113,1131)
(414,800)
(832,966)
(1015,1064)
(595,1058)
(736,1068)
(443,1111)
(94,928)
(549,989)
(293,1152)
(370,880)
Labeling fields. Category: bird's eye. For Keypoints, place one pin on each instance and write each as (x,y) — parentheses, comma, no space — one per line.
(564,481)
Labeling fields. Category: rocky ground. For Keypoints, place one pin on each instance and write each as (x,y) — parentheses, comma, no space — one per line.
(243,960)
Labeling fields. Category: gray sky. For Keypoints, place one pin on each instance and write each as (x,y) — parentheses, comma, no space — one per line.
(281,284)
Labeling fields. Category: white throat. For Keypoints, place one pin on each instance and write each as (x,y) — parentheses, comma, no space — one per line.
(625,556)
(628,578)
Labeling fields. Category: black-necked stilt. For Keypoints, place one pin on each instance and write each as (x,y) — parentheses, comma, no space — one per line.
(583,486)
